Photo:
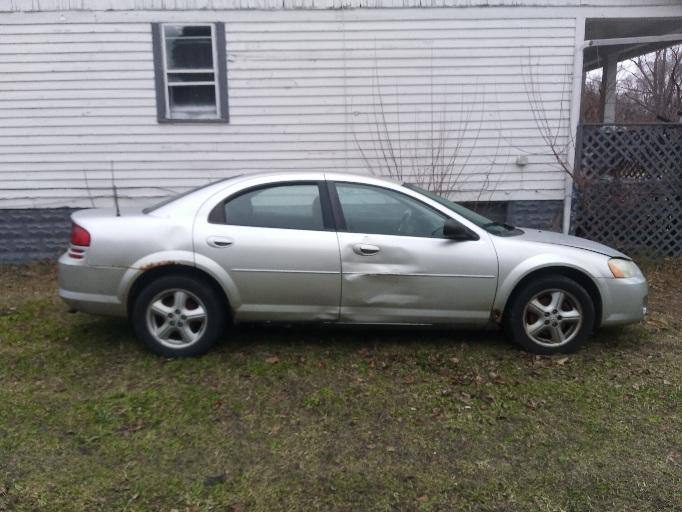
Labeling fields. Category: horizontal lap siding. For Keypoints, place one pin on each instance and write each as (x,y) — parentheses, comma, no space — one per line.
(105,5)
(307,90)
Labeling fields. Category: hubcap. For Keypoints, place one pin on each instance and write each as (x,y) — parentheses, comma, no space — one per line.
(176,318)
(552,318)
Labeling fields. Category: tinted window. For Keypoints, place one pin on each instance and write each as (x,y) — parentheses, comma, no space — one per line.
(496,228)
(280,206)
(376,210)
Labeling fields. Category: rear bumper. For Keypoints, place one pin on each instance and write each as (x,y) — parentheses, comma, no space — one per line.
(624,301)
(90,289)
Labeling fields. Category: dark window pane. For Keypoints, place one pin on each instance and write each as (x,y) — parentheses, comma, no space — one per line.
(192,99)
(376,210)
(283,206)
(188,31)
(189,53)
(191,77)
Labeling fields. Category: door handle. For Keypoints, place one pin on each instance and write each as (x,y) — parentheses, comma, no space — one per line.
(219,241)
(365,249)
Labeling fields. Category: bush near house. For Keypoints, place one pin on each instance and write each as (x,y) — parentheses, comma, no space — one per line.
(334,419)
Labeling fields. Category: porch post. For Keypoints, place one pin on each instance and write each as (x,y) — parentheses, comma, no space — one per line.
(609,77)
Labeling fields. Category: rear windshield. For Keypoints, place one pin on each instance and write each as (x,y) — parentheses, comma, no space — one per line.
(170,199)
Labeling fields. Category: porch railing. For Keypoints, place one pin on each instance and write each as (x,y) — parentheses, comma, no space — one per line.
(628,187)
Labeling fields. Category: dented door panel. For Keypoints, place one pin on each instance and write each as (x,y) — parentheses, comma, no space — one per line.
(417,280)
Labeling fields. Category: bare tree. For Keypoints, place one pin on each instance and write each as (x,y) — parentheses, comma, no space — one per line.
(653,82)
(558,139)
(590,104)
(434,150)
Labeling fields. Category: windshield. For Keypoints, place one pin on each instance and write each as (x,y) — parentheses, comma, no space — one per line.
(491,226)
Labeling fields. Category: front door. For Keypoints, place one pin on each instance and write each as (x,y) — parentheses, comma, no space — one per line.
(279,249)
(398,268)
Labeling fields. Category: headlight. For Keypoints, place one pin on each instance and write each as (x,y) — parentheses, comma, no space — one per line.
(621,268)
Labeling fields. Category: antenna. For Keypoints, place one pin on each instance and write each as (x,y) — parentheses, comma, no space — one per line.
(113,186)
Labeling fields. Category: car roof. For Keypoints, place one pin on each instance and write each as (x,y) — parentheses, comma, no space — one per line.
(190,198)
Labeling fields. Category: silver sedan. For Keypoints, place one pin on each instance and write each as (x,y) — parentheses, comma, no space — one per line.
(338,248)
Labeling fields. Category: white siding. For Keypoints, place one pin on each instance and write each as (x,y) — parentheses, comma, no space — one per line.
(77,93)
(160,5)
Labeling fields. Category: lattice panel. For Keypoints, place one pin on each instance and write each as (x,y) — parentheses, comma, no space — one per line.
(628,191)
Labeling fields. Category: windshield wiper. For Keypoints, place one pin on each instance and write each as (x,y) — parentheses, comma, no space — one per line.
(508,227)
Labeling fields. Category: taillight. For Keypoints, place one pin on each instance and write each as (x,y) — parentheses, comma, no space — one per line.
(79,236)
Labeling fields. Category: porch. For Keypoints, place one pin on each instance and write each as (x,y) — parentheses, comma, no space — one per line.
(627,186)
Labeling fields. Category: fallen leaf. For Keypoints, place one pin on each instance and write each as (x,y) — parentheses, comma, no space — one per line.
(214,480)
(423,499)
(272,360)
(464,397)
(454,360)
(562,361)
(409,379)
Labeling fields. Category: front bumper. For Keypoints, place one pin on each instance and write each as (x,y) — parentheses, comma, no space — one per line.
(624,301)
(90,289)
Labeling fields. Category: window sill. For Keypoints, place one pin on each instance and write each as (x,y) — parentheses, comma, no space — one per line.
(192,121)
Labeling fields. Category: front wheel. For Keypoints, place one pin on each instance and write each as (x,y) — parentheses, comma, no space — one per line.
(178,316)
(550,315)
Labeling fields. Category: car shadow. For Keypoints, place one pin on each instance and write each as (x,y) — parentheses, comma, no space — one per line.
(108,333)
(98,333)
(353,337)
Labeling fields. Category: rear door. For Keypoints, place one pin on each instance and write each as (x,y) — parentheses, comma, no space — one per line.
(398,268)
(277,243)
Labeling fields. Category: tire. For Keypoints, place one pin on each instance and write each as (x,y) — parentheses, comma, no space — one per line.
(550,315)
(179,316)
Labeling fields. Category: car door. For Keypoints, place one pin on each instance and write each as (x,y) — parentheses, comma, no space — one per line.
(398,268)
(278,245)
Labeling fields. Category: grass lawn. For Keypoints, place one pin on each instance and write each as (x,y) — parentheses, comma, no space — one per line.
(335,418)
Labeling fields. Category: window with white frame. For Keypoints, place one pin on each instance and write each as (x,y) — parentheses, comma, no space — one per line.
(191,75)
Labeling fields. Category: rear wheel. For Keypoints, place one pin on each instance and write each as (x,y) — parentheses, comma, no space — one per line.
(179,316)
(550,315)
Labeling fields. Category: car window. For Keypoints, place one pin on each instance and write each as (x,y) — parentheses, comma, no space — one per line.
(279,206)
(376,210)
(491,226)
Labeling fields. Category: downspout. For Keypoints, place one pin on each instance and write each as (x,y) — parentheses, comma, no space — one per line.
(574,118)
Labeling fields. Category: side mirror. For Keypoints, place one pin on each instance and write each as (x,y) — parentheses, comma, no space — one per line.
(453,230)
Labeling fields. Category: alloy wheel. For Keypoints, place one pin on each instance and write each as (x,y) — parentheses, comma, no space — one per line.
(552,318)
(176,318)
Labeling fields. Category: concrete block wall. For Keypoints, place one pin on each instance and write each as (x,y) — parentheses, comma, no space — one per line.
(33,234)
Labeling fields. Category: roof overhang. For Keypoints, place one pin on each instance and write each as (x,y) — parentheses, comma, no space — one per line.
(625,38)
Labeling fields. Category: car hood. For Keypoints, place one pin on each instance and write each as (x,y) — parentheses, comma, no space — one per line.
(550,237)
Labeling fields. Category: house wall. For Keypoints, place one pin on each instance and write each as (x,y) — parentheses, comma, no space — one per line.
(310,86)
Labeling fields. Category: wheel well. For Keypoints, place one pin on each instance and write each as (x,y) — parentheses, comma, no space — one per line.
(150,275)
(580,277)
